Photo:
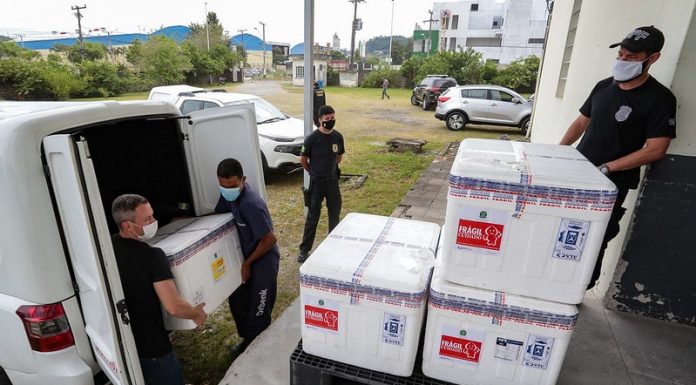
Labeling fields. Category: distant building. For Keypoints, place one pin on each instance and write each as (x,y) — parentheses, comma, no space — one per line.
(336,42)
(425,42)
(502,30)
(254,47)
(322,55)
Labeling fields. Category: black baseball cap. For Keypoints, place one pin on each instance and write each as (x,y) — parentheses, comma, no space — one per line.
(642,39)
(325,110)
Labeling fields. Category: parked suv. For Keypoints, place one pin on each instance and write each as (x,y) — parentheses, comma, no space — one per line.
(280,136)
(427,91)
(487,104)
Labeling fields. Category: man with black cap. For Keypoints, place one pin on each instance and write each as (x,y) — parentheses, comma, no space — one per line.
(627,121)
(322,151)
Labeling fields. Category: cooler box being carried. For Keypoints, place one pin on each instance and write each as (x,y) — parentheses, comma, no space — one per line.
(363,292)
(205,258)
(481,337)
(525,218)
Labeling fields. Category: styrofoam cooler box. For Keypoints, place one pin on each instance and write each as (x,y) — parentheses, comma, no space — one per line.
(363,292)
(205,258)
(525,218)
(481,337)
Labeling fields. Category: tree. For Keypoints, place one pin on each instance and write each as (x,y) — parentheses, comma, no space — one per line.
(401,50)
(10,49)
(163,61)
(207,48)
(279,56)
(91,52)
(134,54)
(337,55)
(520,75)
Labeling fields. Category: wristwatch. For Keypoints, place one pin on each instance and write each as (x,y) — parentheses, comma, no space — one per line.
(604,169)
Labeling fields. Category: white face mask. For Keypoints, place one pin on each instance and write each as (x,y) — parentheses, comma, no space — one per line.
(627,70)
(149,231)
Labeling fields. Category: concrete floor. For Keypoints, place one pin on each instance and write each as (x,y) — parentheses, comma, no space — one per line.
(607,348)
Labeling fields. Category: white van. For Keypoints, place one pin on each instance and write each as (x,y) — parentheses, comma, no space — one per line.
(63,318)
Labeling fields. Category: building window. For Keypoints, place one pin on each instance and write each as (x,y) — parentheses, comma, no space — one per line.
(536,40)
(453,44)
(483,41)
(497,22)
(444,22)
(567,53)
(474,7)
(299,72)
(455,21)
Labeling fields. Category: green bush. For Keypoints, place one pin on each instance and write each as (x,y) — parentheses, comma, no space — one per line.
(333,78)
(520,75)
(375,78)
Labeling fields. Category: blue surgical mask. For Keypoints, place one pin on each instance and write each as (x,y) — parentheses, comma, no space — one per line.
(627,70)
(230,194)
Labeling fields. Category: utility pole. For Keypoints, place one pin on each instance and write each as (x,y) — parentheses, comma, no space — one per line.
(207,38)
(355,26)
(79,27)
(263,27)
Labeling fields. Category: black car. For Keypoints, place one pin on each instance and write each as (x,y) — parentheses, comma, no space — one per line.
(429,89)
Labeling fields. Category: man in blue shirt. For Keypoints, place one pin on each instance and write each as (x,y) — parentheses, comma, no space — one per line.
(252,303)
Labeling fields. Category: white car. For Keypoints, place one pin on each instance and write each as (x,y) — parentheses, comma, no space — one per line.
(280,136)
(483,104)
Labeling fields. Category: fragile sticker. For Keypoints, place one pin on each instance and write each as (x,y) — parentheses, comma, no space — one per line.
(394,328)
(461,345)
(538,352)
(481,229)
(571,238)
(217,265)
(322,314)
(507,349)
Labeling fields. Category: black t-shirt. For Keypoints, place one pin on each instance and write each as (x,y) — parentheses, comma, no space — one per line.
(139,266)
(622,120)
(322,151)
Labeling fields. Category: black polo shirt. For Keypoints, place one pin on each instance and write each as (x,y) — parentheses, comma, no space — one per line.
(323,150)
(140,265)
(622,120)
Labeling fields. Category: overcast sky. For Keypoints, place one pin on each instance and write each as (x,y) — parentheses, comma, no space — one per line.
(284,18)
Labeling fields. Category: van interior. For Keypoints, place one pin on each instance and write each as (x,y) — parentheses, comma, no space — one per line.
(141,156)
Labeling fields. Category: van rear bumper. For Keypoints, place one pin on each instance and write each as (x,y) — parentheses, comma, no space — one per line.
(63,367)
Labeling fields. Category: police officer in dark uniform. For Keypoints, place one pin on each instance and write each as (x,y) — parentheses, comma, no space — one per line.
(322,152)
(627,121)
(252,303)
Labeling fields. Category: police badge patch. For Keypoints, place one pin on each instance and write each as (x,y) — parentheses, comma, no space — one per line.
(334,147)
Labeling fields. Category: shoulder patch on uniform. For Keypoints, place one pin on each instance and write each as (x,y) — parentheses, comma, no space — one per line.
(672,122)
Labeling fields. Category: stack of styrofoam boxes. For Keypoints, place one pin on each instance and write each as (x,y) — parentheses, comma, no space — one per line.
(523,227)
(205,258)
(363,292)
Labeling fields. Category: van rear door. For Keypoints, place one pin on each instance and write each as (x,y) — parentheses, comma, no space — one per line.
(91,253)
(214,134)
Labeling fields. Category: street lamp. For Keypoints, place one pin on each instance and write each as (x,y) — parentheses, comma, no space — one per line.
(207,37)
(243,49)
(263,27)
(391,35)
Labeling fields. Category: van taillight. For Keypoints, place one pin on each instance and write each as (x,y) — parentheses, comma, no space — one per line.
(443,99)
(47,327)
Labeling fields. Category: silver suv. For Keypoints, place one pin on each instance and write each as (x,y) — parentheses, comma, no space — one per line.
(485,104)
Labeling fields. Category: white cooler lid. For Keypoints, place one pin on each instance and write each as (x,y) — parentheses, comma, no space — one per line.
(495,304)
(178,235)
(532,164)
(378,252)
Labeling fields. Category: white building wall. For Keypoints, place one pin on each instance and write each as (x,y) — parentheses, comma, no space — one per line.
(600,24)
(521,20)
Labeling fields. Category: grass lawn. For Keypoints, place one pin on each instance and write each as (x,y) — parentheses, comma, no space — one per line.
(366,122)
